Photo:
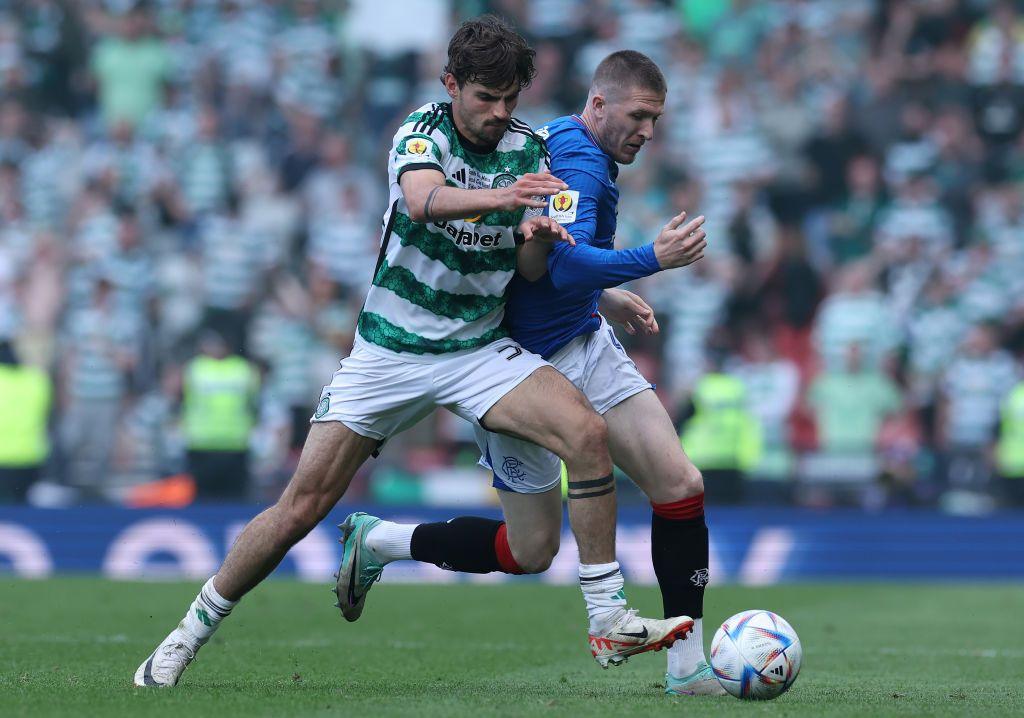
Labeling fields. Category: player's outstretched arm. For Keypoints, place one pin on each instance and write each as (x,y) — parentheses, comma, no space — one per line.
(629,311)
(430,200)
(588,268)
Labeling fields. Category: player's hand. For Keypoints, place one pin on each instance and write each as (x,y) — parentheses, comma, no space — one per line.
(531,190)
(544,229)
(629,311)
(679,244)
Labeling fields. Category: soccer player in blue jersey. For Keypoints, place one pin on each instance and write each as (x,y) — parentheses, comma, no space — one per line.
(555,309)
(559,316)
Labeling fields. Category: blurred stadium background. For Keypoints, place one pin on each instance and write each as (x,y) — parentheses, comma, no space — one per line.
(190,204)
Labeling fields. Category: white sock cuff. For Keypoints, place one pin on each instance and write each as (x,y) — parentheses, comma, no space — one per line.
(210,595)
(390,541)
(592,570)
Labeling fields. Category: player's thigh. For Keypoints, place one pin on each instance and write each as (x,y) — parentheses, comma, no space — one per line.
(330,458)
(644,444)
(548,410)
(534,525)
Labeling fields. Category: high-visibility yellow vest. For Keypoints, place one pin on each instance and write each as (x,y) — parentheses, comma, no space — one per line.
(218,403)
(25,395)
(722,434)
(1010,448)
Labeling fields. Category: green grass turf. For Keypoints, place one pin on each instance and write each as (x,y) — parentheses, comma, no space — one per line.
(69,646)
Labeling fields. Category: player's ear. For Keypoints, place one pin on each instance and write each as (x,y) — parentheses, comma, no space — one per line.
(451,85)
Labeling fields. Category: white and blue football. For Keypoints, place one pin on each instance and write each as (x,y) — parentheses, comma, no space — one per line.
(756,655)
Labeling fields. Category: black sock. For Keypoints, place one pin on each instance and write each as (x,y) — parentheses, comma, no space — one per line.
(679,551)
(463,544)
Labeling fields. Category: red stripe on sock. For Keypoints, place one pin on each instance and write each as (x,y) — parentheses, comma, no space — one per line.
(690,508)
(505,558)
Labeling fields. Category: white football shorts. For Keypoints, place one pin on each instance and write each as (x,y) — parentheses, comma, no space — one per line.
(599,367)
(378,393)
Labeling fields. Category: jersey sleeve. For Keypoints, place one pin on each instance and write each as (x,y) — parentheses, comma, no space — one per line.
(585,266)
(420,144)
(543,165)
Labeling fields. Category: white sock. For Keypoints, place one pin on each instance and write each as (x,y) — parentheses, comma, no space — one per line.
(390,541)
(603,591)
(206,613)
(684,656)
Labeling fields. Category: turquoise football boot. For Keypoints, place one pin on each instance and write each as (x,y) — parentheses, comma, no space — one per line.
(701,682)
(359,570)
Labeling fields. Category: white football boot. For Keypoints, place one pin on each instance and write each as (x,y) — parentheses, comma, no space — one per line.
(632,634)
(165,665)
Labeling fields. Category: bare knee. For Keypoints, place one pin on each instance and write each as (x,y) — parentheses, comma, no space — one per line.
(536,555)
(589,438)
(684,483)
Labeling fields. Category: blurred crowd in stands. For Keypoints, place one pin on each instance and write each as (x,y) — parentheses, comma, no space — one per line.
(190,204)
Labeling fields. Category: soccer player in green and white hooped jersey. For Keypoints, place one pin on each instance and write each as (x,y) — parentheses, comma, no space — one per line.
(440,284)
(462,174)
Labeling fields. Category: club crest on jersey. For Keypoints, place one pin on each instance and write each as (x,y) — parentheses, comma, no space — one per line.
(503,180)
(562,206)
(417,146)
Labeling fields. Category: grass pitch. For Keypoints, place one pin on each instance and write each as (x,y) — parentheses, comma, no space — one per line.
(69,646)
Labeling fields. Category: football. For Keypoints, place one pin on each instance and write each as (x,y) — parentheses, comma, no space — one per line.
(756,655)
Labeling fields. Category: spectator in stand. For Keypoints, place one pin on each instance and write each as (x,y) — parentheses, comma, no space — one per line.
(205,171)
(232,275)
(854,218)
(99,354)
(973,388)
(855,313)
(789,296)
(130,68)
(850,403)
(772,384)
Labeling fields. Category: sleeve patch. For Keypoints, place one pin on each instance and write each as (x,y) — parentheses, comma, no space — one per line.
(419,146)
(562,206)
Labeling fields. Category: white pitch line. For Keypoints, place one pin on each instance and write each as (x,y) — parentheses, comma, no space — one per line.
(964,652)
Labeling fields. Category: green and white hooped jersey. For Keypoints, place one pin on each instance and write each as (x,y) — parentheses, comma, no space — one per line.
(440,287)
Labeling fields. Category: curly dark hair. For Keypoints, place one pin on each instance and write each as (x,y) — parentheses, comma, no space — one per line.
(488,51)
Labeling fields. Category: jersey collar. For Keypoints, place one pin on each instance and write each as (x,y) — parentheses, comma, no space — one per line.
(613,168)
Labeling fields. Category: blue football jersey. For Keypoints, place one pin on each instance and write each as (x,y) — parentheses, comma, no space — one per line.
(544,317)
(547,314)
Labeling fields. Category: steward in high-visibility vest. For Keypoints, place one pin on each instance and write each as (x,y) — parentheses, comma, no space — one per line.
(722,434)
(218,403)
(25,395)
(1010,447)
(722,438)
(219,413)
